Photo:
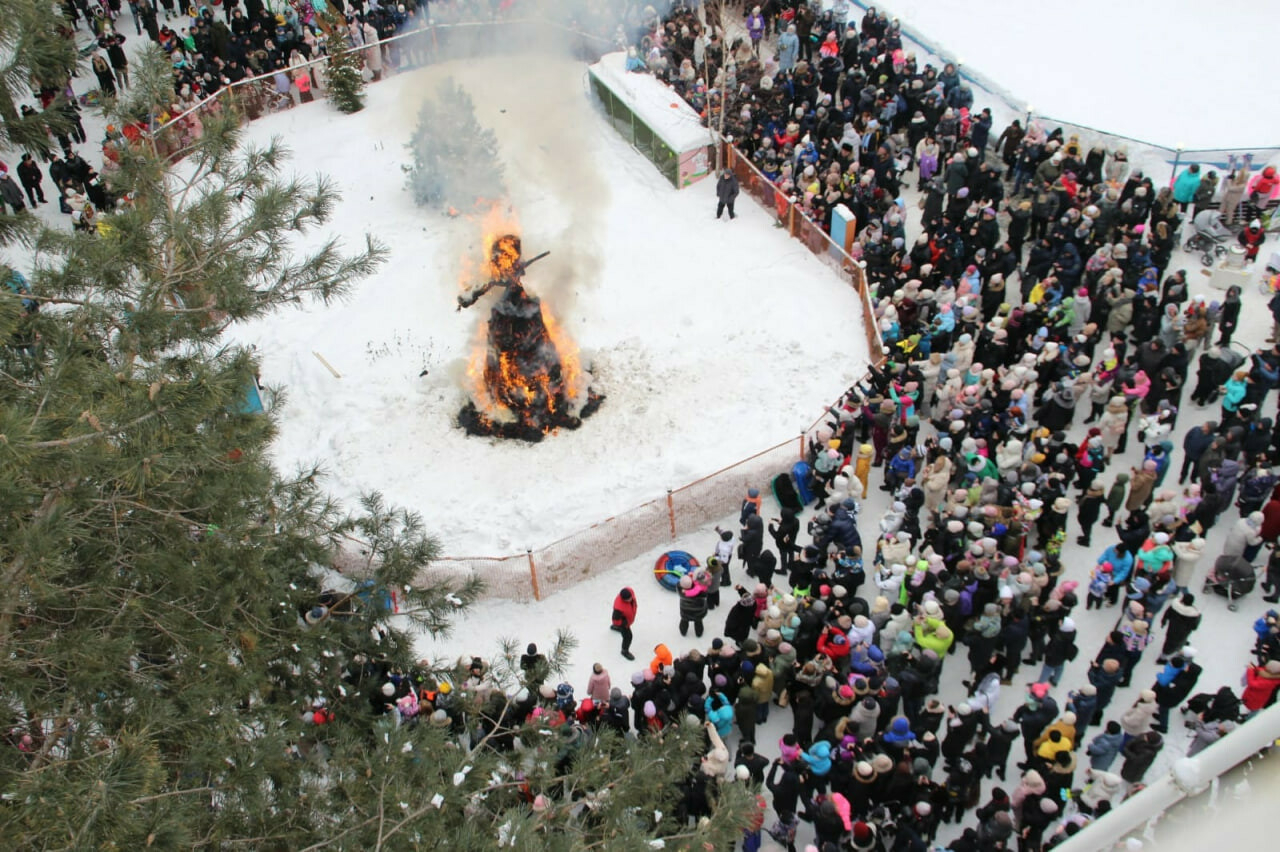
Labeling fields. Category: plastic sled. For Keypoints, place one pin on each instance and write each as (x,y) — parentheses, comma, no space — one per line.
(784,491)
(671,566)
(800,473)
(251,402)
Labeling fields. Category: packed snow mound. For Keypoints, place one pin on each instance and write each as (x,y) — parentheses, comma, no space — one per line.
(712,340)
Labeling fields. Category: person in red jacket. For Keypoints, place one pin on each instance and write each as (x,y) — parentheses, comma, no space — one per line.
(835,645)
(1260,684)
(624,615)
(1252,238)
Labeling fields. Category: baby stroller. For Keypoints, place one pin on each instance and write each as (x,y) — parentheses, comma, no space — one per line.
(1216,366)
(1232,577)
(1209,237)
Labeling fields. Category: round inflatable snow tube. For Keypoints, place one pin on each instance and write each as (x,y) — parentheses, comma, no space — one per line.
(671,566)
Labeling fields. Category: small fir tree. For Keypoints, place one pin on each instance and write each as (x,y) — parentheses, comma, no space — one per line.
(455,158)
(344,79)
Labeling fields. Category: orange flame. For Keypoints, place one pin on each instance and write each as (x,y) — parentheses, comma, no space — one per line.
(489,381)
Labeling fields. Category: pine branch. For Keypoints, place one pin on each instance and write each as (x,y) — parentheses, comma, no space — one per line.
(91,436)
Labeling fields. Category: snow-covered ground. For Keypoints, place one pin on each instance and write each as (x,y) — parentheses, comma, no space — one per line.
(712,340)
(1177,72)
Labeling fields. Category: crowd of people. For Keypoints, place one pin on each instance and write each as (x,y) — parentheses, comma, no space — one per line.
(999,434)
(211,46)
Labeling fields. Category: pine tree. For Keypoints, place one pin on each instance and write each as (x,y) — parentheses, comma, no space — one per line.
(455,158)
(344,79)
(172,672)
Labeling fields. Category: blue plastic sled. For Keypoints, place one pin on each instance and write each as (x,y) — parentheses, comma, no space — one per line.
(800,473)
(251,402)
(671,566)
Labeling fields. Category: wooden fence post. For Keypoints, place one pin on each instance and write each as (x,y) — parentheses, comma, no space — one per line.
(671,514)
(802,446)
(533,574)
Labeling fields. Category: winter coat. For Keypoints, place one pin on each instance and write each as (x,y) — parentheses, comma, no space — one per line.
(373,50)
(1243,534)
(598,687)
(1181,620)
(1259,687)
(1085,707)
(1103,750)
(693,603)
(1137,719)
(1184,188)
(1207,190)
(1179,688)
(624,612)
(788,51)
(1104,788)
(1141,484)
(727,188)
(1139,754)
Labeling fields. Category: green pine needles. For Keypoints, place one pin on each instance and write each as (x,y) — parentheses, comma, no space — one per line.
(343,75)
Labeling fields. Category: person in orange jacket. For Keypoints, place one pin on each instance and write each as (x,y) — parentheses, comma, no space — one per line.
(661,658)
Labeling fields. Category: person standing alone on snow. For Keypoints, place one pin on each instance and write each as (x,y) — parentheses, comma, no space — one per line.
(624,615)
(726,193)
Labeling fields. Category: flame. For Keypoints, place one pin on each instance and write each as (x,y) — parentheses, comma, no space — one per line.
(500,390)
(570,361)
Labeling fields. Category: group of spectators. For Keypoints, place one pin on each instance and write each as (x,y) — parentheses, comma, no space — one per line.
(1000,422)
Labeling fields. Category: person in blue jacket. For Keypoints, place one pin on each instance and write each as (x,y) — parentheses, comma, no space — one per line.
(1184,188)
(1121,569)
(719,713)
(901,468)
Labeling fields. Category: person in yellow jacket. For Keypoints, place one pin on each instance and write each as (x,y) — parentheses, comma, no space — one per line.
(862,467)
(1065,725)
(932,634)
(1049,744)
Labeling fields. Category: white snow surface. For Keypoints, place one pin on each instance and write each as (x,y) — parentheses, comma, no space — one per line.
(1170,73)
(666,113)
(711,339)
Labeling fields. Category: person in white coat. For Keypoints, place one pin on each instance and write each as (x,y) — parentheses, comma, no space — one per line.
(1188,555)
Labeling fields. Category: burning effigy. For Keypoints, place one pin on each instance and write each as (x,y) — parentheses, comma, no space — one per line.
(526,379)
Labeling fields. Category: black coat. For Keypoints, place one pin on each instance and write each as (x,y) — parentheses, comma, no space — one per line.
(1181,620)
(1139,754)
(727,188)
(741,618)
(785,789)
(1179,688)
